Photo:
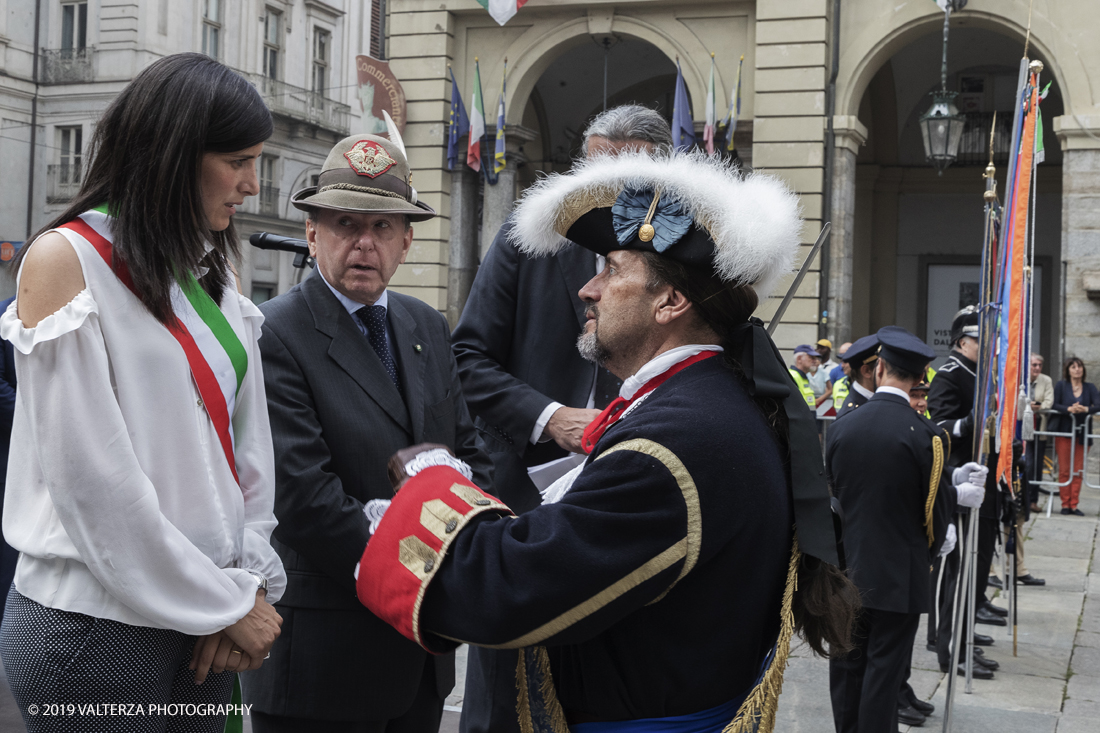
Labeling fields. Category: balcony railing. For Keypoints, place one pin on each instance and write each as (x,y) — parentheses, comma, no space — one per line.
(269,200)
(974,146)
(62,182)
(301,104)
(67,65)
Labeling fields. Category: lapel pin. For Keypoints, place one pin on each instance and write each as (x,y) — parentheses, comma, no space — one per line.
(418,348)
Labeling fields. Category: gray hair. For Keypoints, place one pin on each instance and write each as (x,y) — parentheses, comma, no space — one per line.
(630,123)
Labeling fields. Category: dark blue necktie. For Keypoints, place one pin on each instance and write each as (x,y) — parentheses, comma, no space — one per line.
(374,318)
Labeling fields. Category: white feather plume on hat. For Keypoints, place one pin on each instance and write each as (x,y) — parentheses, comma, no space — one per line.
(755,221)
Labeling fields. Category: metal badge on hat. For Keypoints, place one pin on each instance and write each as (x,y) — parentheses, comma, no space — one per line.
(368,158)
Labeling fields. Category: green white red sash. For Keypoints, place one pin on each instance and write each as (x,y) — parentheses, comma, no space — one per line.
(214,352)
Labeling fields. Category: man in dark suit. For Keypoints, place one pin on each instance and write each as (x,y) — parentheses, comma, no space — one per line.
(862,358)
(353,373)
(886,466)
(8,554)
(528,388)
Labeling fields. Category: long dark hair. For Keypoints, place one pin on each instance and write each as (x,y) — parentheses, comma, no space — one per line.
(146,165)
(1070,362)
(826,601)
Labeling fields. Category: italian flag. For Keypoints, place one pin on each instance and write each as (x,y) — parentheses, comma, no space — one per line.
(477,122)
(502,10)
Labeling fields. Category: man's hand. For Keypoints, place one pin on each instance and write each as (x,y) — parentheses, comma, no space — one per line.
(396,466)
(949,541)
(970,473)
(567,426)
(970,495)
(257,631)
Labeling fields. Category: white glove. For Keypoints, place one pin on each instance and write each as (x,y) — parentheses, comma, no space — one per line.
(970,473)
(970,495)
(373,510)
(949,541)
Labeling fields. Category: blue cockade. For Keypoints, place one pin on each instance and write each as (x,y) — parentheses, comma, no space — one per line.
(670,221)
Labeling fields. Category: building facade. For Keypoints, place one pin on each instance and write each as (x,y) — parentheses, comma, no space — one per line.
(63,61)
(832,92)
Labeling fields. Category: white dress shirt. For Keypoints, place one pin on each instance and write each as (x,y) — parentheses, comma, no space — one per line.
(351,306)
(119,497)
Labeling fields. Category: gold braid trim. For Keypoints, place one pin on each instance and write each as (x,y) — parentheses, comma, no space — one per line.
(757,713)
(363,189)
(933,486)
(523,702)
(549,695)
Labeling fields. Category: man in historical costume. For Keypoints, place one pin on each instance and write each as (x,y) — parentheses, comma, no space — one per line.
(529,390)
(861,358)
(657,579)
(886,466)
(353,372)
(951,406)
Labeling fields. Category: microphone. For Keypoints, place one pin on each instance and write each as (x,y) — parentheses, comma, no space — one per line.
(300,247)
(267,240)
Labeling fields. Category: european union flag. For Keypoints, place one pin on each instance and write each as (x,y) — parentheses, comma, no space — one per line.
(458,125)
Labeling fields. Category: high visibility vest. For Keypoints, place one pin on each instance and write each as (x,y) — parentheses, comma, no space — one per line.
(805,388)
(840,392)
(929,374)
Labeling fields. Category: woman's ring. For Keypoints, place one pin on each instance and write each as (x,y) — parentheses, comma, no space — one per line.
(236,651)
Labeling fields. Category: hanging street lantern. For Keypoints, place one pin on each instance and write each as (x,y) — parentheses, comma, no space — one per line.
(942,128)
(942,125)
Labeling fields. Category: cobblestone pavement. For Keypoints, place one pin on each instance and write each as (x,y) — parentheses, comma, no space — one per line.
(1051,686)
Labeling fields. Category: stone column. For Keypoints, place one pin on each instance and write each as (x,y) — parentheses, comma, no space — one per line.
(850,135)
(463,259)
(498,200)
(1080,141)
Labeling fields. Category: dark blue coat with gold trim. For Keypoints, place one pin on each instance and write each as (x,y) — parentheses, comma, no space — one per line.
(655,583)
(884,466)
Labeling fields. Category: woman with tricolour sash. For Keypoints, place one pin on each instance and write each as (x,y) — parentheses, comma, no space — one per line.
(140,487)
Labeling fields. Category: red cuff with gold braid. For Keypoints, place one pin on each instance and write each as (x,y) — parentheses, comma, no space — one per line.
(406,550)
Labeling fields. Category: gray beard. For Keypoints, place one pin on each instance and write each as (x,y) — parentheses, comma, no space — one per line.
(590,348)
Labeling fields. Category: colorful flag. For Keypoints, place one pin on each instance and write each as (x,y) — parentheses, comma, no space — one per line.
(708,128)
(502,10)
(683,127)
(499,161)
(730,123)
(477,122)
(1012,287)
(458,125)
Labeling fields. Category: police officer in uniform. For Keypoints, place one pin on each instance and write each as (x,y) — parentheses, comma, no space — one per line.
(805,356)
(861,357)
(951,405)
(886,465)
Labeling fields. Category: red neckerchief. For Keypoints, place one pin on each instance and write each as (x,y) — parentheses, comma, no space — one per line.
(618,406)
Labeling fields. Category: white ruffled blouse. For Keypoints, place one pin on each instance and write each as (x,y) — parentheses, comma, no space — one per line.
(119,497)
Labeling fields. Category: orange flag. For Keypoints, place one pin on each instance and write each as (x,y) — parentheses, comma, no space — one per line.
(1021,202)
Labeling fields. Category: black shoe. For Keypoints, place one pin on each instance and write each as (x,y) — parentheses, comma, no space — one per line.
(1066,510)
(983,616)
(1030,579)
(979,672)
(995,582)
(980,660)
(995,609)
(1044,491)
(930,647)
(922,707)
(1078,513)
(909,716)
(982,640)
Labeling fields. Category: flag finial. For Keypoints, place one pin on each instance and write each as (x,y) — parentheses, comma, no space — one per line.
(712,54)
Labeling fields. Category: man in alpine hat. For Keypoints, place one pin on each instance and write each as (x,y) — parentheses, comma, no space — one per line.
(353,372)
(656,580)
(886,465)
